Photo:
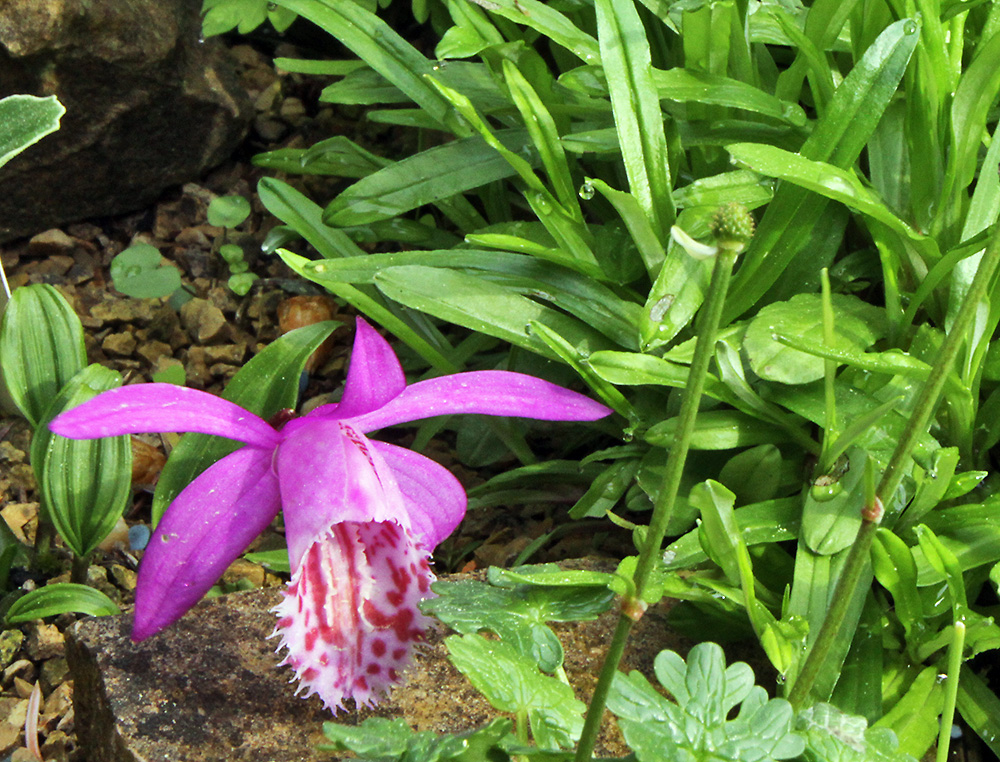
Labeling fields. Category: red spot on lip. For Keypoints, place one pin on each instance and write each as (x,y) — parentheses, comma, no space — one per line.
(378,647)
(373,669)
(398,654)
(399,622)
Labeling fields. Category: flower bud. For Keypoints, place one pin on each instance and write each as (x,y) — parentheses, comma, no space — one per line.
(732,226)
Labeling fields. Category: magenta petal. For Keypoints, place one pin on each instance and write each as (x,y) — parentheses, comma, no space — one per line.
(435,499)
(148,408)
(330,473)
(374,375)
(490,392)
(205,529)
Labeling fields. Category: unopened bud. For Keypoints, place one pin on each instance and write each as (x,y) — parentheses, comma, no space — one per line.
(732,226)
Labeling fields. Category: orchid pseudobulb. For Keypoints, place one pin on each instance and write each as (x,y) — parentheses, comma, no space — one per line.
(361,516)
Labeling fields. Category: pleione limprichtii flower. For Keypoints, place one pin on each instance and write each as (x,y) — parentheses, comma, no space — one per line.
(361,516)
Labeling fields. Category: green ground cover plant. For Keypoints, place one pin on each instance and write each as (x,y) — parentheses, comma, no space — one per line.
(830,492)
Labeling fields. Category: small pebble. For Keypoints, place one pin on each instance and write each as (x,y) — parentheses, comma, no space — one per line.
(10,642)
(21,668)
(45,641)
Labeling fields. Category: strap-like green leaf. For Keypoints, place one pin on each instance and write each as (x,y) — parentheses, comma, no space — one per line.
(60,598)
(85,483)
(636,105)
(41,347)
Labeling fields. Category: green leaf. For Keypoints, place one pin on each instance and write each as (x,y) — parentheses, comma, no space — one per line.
(513,683)
(702,87)
(228,211)
(60,598)
(305,217)
(384,740)
(635,102)
(832,182)
(979,707)
(838,138)
(337,156)
(269,382)
(517,614)
(275,560)
(830,524)
(719,430)
(544,136)
(760,523)
(139,272)
(483,306)
(696,726)
(41,346)
(858,326)
(381,47)
(429,176)
(24,120)
(551,23)
(85,483)
(833,736)
(573,292)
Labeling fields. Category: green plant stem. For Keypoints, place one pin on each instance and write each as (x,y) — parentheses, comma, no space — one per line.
(78,571)
(858,557)
(951,690)
(709,318)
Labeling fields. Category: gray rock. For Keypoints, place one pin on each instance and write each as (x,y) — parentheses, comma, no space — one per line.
(147,106)
(208,687)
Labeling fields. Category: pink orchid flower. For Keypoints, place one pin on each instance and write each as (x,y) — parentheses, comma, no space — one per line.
(361,516)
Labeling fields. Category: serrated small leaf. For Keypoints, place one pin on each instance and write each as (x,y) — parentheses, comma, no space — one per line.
(60,598)
(378,738)
(512,683)
(695,726)
(517,614)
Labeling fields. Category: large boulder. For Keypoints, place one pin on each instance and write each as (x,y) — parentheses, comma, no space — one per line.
(148,105)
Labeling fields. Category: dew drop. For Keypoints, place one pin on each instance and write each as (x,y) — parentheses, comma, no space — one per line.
(586,191)
(910,27)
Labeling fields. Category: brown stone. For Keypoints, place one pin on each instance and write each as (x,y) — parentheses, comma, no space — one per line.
(208,687)
(148,106)
(9,738)
(19,517)
(119,344)
(132,311)
(44,642)
(203,321)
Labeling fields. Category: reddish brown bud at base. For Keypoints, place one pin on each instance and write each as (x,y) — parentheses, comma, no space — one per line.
(633,608)
(873,513)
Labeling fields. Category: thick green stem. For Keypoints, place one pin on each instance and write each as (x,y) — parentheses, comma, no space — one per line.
(704,350)
(710,315)
(895,471)
(78,571)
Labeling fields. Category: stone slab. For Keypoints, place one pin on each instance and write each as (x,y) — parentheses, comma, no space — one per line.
(208,687)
